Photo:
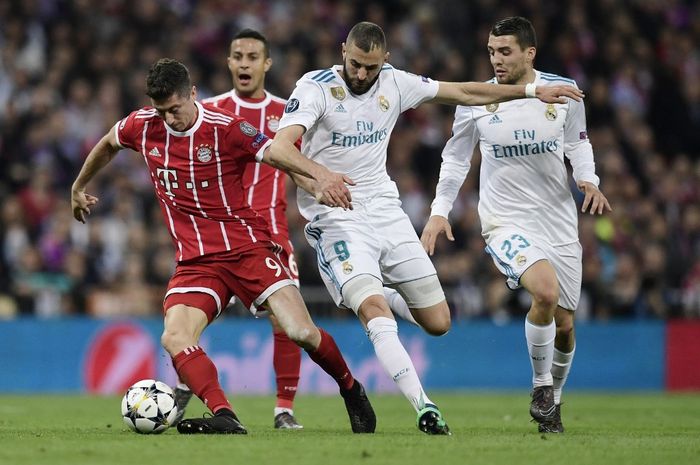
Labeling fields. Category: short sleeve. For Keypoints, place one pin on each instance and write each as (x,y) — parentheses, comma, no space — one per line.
(305,106)
(245,137)
(128,131)
(414,89)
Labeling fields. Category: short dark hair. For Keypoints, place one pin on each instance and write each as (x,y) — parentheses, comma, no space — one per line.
(519,27)
(253,34)
(167,77)
(366,36)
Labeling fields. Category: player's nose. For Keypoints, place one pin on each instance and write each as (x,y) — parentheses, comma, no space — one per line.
(362,74)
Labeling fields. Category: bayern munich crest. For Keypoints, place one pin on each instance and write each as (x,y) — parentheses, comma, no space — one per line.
(204,153)
(273,123)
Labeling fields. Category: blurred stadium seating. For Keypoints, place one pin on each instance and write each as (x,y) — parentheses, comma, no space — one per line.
(70,69)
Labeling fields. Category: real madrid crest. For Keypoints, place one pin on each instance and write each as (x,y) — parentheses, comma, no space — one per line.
(338,93)
(273,123)
(383,103)
(203,153)
(492,107)
(550,113)
(347,267)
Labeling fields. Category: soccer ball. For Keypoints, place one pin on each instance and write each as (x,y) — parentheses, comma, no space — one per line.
(149,407)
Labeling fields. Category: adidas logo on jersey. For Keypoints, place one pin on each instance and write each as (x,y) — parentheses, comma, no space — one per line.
(495,119)
(154,152)
(340,108)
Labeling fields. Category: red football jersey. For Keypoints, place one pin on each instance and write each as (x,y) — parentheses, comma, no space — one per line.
(197,175)
(264,185)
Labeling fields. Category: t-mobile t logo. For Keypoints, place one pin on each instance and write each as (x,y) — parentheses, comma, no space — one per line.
(168,179)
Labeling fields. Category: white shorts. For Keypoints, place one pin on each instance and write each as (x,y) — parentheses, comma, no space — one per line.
(375,238)
(515,251)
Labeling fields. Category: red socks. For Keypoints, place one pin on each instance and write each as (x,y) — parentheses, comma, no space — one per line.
(197,370)
(328,357)
(287,362)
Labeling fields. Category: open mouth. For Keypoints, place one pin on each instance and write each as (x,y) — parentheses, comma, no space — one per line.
(244,78)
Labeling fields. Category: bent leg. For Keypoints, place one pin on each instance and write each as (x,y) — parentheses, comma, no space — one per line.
(435,320)
(426,300)
(183,327)
(288,307)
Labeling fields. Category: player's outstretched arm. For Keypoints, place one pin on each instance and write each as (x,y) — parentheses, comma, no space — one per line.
(436,225)
(99,156)
(484,93)
(328,187)
(593,198)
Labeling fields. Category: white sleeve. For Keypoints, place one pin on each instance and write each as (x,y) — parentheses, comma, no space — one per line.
(305,106)
(456,161)
(577,147)
(414,89)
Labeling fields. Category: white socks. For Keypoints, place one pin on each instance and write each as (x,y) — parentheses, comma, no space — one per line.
(279,410)
(560,371)
(384,335)
(540,345)
(398,305)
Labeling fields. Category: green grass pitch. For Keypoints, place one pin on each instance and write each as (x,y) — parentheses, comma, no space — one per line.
(493,429)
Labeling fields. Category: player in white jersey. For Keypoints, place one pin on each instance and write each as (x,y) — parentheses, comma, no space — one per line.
(346,114)
(528,216)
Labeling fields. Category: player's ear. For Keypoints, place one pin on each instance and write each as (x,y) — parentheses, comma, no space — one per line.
(193,93)
(343,50)
(386,57)
(531,52)
(229,62)
(268,64)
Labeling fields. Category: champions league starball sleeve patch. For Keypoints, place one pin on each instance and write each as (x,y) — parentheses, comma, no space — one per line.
(292,106)
(583,135)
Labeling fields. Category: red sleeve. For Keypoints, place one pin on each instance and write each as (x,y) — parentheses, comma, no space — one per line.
(129,131)
(244,138)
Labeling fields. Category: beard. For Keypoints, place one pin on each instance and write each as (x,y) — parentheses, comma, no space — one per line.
(513,77)
(355,86)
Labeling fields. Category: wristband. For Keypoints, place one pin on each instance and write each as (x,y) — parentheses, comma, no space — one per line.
(530,90)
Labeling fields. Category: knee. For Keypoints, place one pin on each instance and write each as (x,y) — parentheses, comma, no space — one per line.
(434,320)
(174,341)
(547,298)
(305,336)
(439,325)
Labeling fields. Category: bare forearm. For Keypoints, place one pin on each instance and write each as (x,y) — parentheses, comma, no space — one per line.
(479,93)
(97,159)
(303,182)
(285,156)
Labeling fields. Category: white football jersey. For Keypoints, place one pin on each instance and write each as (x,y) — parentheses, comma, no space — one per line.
(350,133)
(523,179)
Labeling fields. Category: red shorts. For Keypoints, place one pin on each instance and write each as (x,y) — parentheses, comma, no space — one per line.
(287,255)
(209,282)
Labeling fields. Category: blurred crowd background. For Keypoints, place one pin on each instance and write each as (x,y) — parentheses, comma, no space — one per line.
(70,69)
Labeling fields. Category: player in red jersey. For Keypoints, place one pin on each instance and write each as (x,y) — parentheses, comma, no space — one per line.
(248,61)
(196,155)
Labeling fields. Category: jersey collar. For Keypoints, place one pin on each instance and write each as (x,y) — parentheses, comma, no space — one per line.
(193,129)
(254,105)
